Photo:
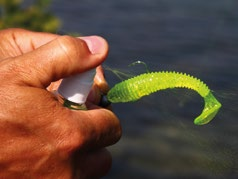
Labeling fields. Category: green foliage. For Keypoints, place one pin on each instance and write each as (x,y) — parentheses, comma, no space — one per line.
(14,13)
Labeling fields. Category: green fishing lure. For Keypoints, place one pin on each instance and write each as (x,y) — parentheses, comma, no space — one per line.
(145,84)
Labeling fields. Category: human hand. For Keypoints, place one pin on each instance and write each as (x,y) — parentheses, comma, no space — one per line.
(39,137)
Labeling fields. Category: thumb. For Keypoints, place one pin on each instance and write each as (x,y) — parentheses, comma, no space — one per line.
(60,58)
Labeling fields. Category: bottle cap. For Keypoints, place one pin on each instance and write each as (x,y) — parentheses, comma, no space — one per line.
(76,88)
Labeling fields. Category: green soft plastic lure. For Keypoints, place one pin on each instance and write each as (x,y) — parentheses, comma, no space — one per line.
(145,84)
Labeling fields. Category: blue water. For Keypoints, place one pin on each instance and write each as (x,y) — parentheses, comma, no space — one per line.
(197,37)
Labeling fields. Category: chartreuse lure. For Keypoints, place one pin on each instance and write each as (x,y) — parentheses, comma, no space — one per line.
(147,83)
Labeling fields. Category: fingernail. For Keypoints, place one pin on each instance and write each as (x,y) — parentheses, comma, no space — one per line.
(95,44)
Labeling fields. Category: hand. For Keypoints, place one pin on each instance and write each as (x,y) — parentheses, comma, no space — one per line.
(39,137)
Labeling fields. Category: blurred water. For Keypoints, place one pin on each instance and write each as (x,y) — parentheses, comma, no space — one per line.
(198,37)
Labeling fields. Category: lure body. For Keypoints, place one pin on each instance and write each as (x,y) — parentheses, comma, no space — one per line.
(145,84)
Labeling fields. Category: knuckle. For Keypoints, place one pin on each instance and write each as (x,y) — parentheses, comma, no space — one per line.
(72,141)
(71,47)
(70,137)
(10,71)
(75,136)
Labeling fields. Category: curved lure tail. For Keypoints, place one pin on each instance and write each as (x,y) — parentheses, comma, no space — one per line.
(210,110)
(145,84)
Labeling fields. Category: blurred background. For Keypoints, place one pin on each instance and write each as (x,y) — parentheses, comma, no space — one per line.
(197,37)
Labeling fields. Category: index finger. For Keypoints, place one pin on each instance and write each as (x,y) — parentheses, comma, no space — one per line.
(99,128)
(15,42)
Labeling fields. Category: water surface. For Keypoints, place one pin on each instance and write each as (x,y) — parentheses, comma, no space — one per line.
(197,37)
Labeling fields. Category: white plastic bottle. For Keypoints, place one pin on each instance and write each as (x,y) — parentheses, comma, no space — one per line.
(73,91)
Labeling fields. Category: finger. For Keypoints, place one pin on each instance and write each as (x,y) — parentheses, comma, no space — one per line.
(15,42)
(54,86)
(100,87)
(69,130)
(100,80)
(60,58)
(96,128)
(94,164)
(103,86)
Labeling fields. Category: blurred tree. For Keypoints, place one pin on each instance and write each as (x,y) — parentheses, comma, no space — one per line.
(35,16)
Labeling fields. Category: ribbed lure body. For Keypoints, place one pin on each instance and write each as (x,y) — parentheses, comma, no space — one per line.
(145,84)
